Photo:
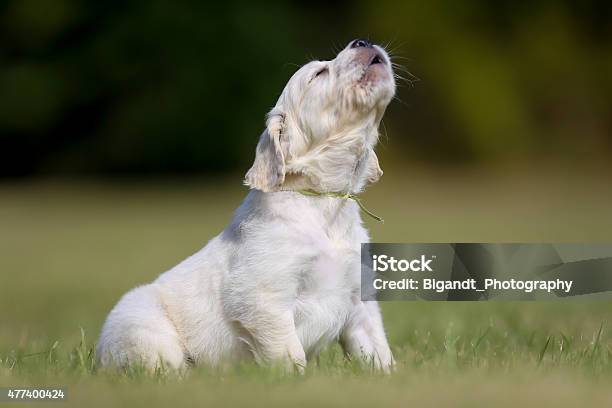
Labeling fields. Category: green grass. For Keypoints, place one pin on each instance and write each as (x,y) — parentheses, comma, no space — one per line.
(69,250)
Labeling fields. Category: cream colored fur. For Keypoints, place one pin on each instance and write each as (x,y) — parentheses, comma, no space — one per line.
(282,281)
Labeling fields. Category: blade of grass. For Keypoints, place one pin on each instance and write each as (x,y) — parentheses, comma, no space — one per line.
(541,356)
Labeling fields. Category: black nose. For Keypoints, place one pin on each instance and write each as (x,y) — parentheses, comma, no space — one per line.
(361,43)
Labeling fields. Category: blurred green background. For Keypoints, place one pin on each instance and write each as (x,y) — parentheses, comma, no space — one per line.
(126,128)
(129,87)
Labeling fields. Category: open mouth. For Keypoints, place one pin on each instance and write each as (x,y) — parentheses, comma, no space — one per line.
(374,70)
(376,60)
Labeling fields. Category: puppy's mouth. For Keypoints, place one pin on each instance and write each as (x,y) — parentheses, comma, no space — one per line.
(376,59)
(374,69)
(375,62)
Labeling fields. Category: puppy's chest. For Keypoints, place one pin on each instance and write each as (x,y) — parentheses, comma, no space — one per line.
(335,269)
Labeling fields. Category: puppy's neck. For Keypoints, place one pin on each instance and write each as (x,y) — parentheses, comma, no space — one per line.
(342,163)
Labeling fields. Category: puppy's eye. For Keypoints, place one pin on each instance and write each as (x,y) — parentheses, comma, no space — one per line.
(322,71)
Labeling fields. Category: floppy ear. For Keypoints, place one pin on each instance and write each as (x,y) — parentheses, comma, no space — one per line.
(268,170)
(374,170)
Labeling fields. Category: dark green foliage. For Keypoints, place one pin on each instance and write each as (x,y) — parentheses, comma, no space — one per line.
(166,87)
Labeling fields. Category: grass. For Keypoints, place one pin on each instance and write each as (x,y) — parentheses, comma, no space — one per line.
(68,250)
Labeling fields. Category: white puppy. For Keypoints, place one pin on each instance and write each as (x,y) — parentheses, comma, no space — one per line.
(283,280)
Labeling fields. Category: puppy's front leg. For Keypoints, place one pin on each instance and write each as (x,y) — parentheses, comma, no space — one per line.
(364,336)
(259,296)
(273,339)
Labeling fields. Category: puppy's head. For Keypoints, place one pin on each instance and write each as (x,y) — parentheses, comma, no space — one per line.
(340,101)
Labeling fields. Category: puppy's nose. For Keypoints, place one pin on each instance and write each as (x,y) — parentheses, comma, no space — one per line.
(361,43)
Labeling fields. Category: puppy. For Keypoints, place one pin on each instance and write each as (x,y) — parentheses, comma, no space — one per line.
(283,279)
